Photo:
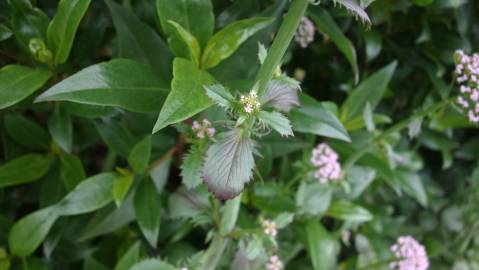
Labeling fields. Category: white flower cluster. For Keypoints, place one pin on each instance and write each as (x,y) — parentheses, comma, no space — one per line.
(467,71)
(269,227)
(274,263)
(250,102)
(203,129)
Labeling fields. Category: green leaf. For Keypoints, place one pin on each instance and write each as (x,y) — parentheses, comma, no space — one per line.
(191,168)
(353,7)
(140,155)
(91,194)
(313,117)
(346,210)
(61,129)
(119,82)
(71,171)
(321,246)
(229,39)
(26,132)
(196,16)
(359,178)
(147,205)
(152,264)
(313,198)
(121,187)
(18,82)
(188,203)
(413,185)
(5,32)
(190,41)
(283,220)
(131,257)
(116,136)
(326,24)
(220,95)
(281,96)
(28,233)
(370,90)
(187,96)
(228,165)
(63,27)
(138,41)
(24,169)
(27,21)
(159,171)
(276,121)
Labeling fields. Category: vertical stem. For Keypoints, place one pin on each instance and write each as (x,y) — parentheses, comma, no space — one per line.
(281,42)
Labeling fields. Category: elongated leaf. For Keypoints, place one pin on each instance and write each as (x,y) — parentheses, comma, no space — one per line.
(131,257)
(147,209)
(61,129)
(91,194)
(152,264)
(346,210)
(325,23)
(18,82)
(24,169)
(321,246)
(28,233)
(5,33)
(120,82)
(220,95)
(190,41)
(313,117)
(121,187)
(26,132)
(276,121)
(140,42)
(191,168)
(71,171)
(229,39)
(281,96)
(63,27)
(228,165)
(370,90)
(187,96)
(140,155)
(117,137)
(27,21)
(413,185)
(313,198)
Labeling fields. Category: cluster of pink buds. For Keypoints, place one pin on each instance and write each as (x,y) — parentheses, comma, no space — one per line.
(203,129)
(325,159)
(305,33)
(250,102)
(269,227)
(274,263)
(467,71)
(410,255)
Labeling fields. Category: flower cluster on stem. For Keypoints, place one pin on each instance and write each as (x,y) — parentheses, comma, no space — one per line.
(269,227)
(410,255)
(203,129)
(467,71)
(250,102)
(274,263)
(325,159)
(305,33)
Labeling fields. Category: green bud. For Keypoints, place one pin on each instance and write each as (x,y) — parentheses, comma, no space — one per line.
(40,51)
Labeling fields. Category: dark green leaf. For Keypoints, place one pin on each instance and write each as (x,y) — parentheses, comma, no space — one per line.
(413,185)
(159,171)
(220,95)
(276,121)
(5,33)
(139,156)
(117,137)
(61,129)
(188,203)
(71,171)
(147,208)
(359,178)
(18,82)
(313,198)
(28,22)
(63,27)
(120,82)
(191,168)
(152,264)
(121,187)
(26,132)
(23,170)
(190,41)
(321,246)
(131,257)
(346,210)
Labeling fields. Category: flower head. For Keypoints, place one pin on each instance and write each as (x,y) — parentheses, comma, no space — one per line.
(410,255)
(203,128)
(274,263)
(269,227)
(325,159)
(467,71)
(305,34)
(250,102)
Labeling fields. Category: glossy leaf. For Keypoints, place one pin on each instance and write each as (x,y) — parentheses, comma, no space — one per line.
(24,169)
(346,210)
(190,41)
(71,171)
(276,121)
(187,96)
(117,137)
(63,27)
(26,132)
(131,257)
(191,168)
(313,198)
(121,187)
(121,83)
(139,156)
(61,129)
(28,22)
(229,39)
(147,209)
(321,246)
(18,82)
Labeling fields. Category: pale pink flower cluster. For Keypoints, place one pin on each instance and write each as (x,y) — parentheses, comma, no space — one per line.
(410,254)
(325,159)
(250,102)
(203,129)
(467,71)
(274,263)
(269,227)
(305,33)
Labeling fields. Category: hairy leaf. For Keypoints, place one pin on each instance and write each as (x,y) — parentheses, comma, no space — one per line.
(191,168)
(220,95)
(276,121)
(281,96)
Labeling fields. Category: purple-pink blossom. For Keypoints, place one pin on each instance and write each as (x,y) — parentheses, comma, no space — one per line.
(305,33)
(269,227)
(203,129)
(467,71)
(410,254)
(325,159)
(274,263)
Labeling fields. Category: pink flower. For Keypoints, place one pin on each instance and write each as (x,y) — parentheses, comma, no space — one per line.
(325,159)
(467,71)
(203,129)
(305,33)
(269,227)
(274,263)
(410,255)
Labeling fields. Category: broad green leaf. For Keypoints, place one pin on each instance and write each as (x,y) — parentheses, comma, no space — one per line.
(26,132)
(276,121)
(138,41)
(61,129)
(121,187)
(152,264)
(358,122)
(346,210)
(131,257)
(91,263)
(413,185)
(326,24)
(196,16)
(220,95)
(119,82)
(190,41)
(28,233)
(140,155)
(313,198)
(147,205)
(228,165)
(283,220)
(321,246)
(88,111)
(71,171)
(5,33)
(370,90)
(313,117)
(27,22)
(188,203)
(359,178)
(191,168)
(187,96)
(63,27)
(24,169)
(91,194)
(18,82)
(159,171)
(229,39)
(116,136)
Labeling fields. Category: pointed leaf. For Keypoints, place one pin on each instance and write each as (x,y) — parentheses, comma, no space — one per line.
(147,209)
(355,9)
(117,137)
(61,129)
(220,95)
(5,33)
(71,171)
(152,264)
(276,121)
(346,210)
(191,168)
(413,185)
(139,156)
(281,96)
(26,132)
(27,21)
(321,246)
(121,187)
(190,41)
(313,198)
(131,257)
(24,169)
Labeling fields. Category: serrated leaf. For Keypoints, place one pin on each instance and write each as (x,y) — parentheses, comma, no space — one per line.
(228,165)
(24,169)
(71,171)
(355,9)
(121,187)
(281,96)
(139,156)
(191,168)
(147,206)
(276,121)
(220,95)
(190,41)
(188,203)
(346,210)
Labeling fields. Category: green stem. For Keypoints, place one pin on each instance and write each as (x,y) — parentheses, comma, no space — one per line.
(281,43)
